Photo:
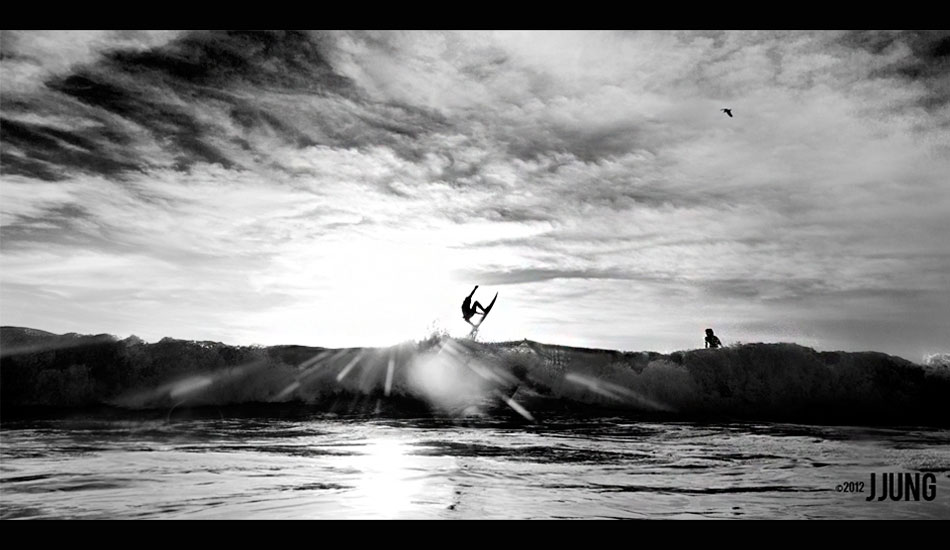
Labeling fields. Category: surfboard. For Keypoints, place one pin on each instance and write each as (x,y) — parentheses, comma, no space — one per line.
(487,310)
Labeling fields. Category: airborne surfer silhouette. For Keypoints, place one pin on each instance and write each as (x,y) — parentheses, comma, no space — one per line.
(469,310)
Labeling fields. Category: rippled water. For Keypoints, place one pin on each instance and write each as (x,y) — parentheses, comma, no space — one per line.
(325,466)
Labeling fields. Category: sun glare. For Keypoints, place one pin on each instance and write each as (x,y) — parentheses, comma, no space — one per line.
(362,292)
(387,485)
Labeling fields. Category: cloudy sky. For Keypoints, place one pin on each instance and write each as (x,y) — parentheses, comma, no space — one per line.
(350,188)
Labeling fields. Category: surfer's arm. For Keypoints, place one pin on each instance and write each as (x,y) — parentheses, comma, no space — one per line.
(473,291)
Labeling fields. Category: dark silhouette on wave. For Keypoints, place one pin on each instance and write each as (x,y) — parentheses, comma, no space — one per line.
(712,341)
(469,310)
(459,377)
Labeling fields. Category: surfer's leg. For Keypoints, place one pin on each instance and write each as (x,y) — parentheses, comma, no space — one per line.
(478,306)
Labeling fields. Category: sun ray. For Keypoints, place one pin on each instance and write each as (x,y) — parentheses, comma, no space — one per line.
(614,391)
(315,359)
(349,366)
(389,374)
(287,391)
(189,386)
(515,406)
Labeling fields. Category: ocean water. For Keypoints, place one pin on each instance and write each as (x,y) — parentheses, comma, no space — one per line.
(224,465)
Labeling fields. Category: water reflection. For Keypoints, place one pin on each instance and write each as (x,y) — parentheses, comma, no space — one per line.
(388,483)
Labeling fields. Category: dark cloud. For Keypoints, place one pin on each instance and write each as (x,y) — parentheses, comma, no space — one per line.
(752,288)
(876,42)
(252,118)
(588,143)
(151,111)
(931,55)
(206,97)
(287,60)
(486,69)
(8,46)
(57,224)
(70,225)
(929,62)
(898,294)
(52,152)
(927,46)
(790,290)
(517,214)
(24,166)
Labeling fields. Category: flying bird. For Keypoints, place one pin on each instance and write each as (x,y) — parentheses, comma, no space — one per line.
(727,111)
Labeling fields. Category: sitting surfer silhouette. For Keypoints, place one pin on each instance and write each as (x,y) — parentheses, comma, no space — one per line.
(468,310)
(712,341)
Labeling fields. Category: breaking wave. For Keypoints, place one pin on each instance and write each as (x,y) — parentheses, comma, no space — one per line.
(778,382)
